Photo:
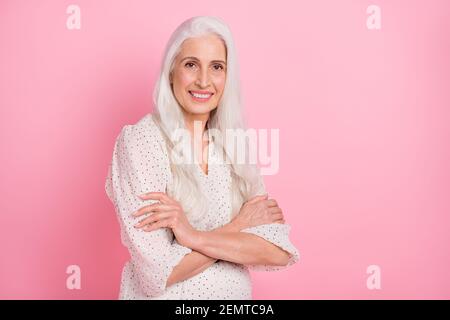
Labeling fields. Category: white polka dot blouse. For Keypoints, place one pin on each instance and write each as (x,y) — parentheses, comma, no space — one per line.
(140,164)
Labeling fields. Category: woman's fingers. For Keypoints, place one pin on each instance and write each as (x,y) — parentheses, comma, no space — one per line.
(277,216)
(275,210)
(272,203)
(257,198)
(153,218)
(160,224)
(160,196)
(151,208)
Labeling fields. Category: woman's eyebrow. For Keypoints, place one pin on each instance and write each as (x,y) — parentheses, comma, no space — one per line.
(196,59)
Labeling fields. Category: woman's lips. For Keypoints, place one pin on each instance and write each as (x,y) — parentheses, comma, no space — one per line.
(200,96)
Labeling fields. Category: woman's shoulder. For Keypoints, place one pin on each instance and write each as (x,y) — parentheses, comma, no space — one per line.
(143,135)
(144,130)
(145,126)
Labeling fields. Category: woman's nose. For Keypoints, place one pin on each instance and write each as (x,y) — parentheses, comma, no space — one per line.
(203,79)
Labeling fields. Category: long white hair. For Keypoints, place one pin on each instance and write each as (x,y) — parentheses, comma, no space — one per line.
(228,115)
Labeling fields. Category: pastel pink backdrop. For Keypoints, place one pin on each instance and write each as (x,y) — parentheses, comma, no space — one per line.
(363,116)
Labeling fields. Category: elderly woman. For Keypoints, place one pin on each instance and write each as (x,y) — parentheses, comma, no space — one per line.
(194,229)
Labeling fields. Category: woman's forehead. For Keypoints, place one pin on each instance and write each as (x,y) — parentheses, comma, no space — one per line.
(209,47)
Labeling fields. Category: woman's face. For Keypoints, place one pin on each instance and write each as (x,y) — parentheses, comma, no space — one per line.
(199,74)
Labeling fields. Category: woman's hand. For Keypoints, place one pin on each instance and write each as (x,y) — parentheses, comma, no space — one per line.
(167,213)
(257,211)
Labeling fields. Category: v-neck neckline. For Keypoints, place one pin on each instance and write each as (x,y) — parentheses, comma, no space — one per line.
(206,175)
(198,165)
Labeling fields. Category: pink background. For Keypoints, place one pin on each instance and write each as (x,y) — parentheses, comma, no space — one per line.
(363,116)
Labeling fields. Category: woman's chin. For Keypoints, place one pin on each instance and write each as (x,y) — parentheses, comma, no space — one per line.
(199,108)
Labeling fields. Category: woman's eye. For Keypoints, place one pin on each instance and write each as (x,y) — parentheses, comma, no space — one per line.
(218,67)
(189,64)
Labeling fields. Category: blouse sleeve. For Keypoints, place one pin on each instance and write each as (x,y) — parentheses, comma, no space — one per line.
(138,167)
(276,233)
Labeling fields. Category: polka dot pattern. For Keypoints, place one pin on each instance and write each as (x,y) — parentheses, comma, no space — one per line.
(140,164)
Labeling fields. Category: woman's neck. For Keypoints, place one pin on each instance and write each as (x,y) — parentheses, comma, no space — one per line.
(196,123)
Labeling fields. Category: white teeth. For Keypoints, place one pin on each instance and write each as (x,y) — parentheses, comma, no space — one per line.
(201,96)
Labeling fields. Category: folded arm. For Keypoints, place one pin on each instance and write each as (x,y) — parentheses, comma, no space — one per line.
(229,244)
(240,247)
(195,262)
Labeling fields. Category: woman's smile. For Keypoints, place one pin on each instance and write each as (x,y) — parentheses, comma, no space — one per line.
(200,96)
